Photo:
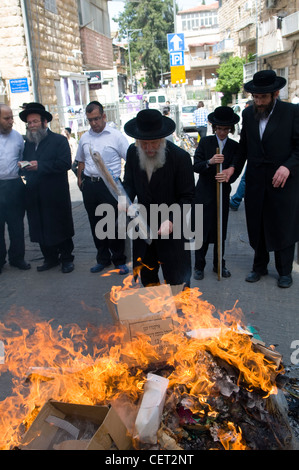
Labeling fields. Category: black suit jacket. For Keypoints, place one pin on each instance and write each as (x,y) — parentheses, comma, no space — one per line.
(171,184)
(206,187)
(276,210)
(48,199)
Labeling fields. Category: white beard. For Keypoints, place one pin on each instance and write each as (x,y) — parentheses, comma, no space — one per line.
(37,136)
(151,164)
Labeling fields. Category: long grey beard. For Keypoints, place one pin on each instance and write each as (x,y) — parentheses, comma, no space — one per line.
(36,137)
(150,165)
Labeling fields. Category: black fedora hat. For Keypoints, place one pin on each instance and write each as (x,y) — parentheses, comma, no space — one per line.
(265,81)
(35,108)
(149,124)
(223,116)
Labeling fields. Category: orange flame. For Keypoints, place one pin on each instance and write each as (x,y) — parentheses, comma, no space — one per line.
(91,366)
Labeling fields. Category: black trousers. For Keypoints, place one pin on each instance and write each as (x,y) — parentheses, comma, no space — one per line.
(12,212)
(176,269)
(108,249)
(200,256)
(283,258)
(61,252)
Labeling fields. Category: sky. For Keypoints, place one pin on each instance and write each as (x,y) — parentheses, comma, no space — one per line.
(115,7)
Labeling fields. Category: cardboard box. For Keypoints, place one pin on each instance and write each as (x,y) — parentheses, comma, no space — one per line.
(67,426)
(133,312)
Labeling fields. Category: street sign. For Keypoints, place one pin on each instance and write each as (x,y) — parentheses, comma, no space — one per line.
(178,74)
(176,42)
(19,85)
(176,58)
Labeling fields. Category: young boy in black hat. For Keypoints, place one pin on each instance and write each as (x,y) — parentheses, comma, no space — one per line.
(206,159)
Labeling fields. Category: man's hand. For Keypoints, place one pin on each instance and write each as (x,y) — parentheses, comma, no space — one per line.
(280,177)
(217,158)
(33,166)
(165,228)
(225,175)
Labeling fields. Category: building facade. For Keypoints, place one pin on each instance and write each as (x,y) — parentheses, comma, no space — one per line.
(201,33)
(266,32)
(48,47)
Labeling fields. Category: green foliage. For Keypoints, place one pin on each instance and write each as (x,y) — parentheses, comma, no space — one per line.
(155,19)
(230,78)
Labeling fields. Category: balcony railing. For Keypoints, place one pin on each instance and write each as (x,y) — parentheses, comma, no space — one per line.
(290,24)
(249,70)
(226,45)
(203,61)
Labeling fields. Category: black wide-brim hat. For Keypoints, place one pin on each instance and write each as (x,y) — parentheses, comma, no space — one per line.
(35,108)
(223,116)
(149,124)
(265,81)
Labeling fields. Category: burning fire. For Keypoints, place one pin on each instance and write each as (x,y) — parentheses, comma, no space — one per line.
(94,366)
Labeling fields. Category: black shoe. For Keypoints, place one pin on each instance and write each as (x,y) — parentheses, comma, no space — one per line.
(254,276)
(285,281)
(21,265)
(47,265)
(67,267)
(225,272)
(198,274)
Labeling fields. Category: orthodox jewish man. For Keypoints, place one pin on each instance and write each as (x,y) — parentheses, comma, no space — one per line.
(270,144)
(158,172)
(48,199)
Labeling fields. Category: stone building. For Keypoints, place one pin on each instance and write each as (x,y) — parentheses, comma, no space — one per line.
(267,31)
(201,33)
(47,49)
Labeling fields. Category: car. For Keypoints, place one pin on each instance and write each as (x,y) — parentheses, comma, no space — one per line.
(186,118)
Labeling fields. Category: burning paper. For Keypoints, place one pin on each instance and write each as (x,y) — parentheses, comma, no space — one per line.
(151,409)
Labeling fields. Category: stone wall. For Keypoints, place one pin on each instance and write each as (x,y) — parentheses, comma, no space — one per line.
(236,17)
(54,37)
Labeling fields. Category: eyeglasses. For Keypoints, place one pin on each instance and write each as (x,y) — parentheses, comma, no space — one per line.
(36,121)
(95,119)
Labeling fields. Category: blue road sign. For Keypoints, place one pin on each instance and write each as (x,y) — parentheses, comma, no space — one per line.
(19,85)
(176,58)
(176,42)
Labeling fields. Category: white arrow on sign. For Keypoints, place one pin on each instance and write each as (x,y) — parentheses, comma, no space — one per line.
(176,42)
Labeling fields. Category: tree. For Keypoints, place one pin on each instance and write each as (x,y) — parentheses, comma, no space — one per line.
(149,51)
(230,78)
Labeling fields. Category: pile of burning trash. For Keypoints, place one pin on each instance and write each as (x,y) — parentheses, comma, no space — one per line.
(187,378)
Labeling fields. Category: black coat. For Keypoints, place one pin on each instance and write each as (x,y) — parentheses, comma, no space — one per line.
(48,199)
(171,184)
(206,187)
(274,209)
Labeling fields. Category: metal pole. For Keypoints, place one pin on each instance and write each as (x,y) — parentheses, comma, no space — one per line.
(219,220)
(29,50)
(130,64)
(174,16)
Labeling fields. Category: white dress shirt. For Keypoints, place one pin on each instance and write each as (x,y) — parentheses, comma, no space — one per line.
(11,151)
(111,144)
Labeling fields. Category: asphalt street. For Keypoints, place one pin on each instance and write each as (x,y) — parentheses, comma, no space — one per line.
(78,297)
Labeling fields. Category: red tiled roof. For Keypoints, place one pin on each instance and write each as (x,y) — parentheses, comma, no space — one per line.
(212,6)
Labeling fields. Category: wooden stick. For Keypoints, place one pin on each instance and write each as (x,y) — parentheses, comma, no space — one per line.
(219,221)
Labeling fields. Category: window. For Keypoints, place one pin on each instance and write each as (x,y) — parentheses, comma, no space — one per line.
(94,14)
(50,5)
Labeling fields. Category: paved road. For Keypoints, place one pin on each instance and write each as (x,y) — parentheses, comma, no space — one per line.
(77,297)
